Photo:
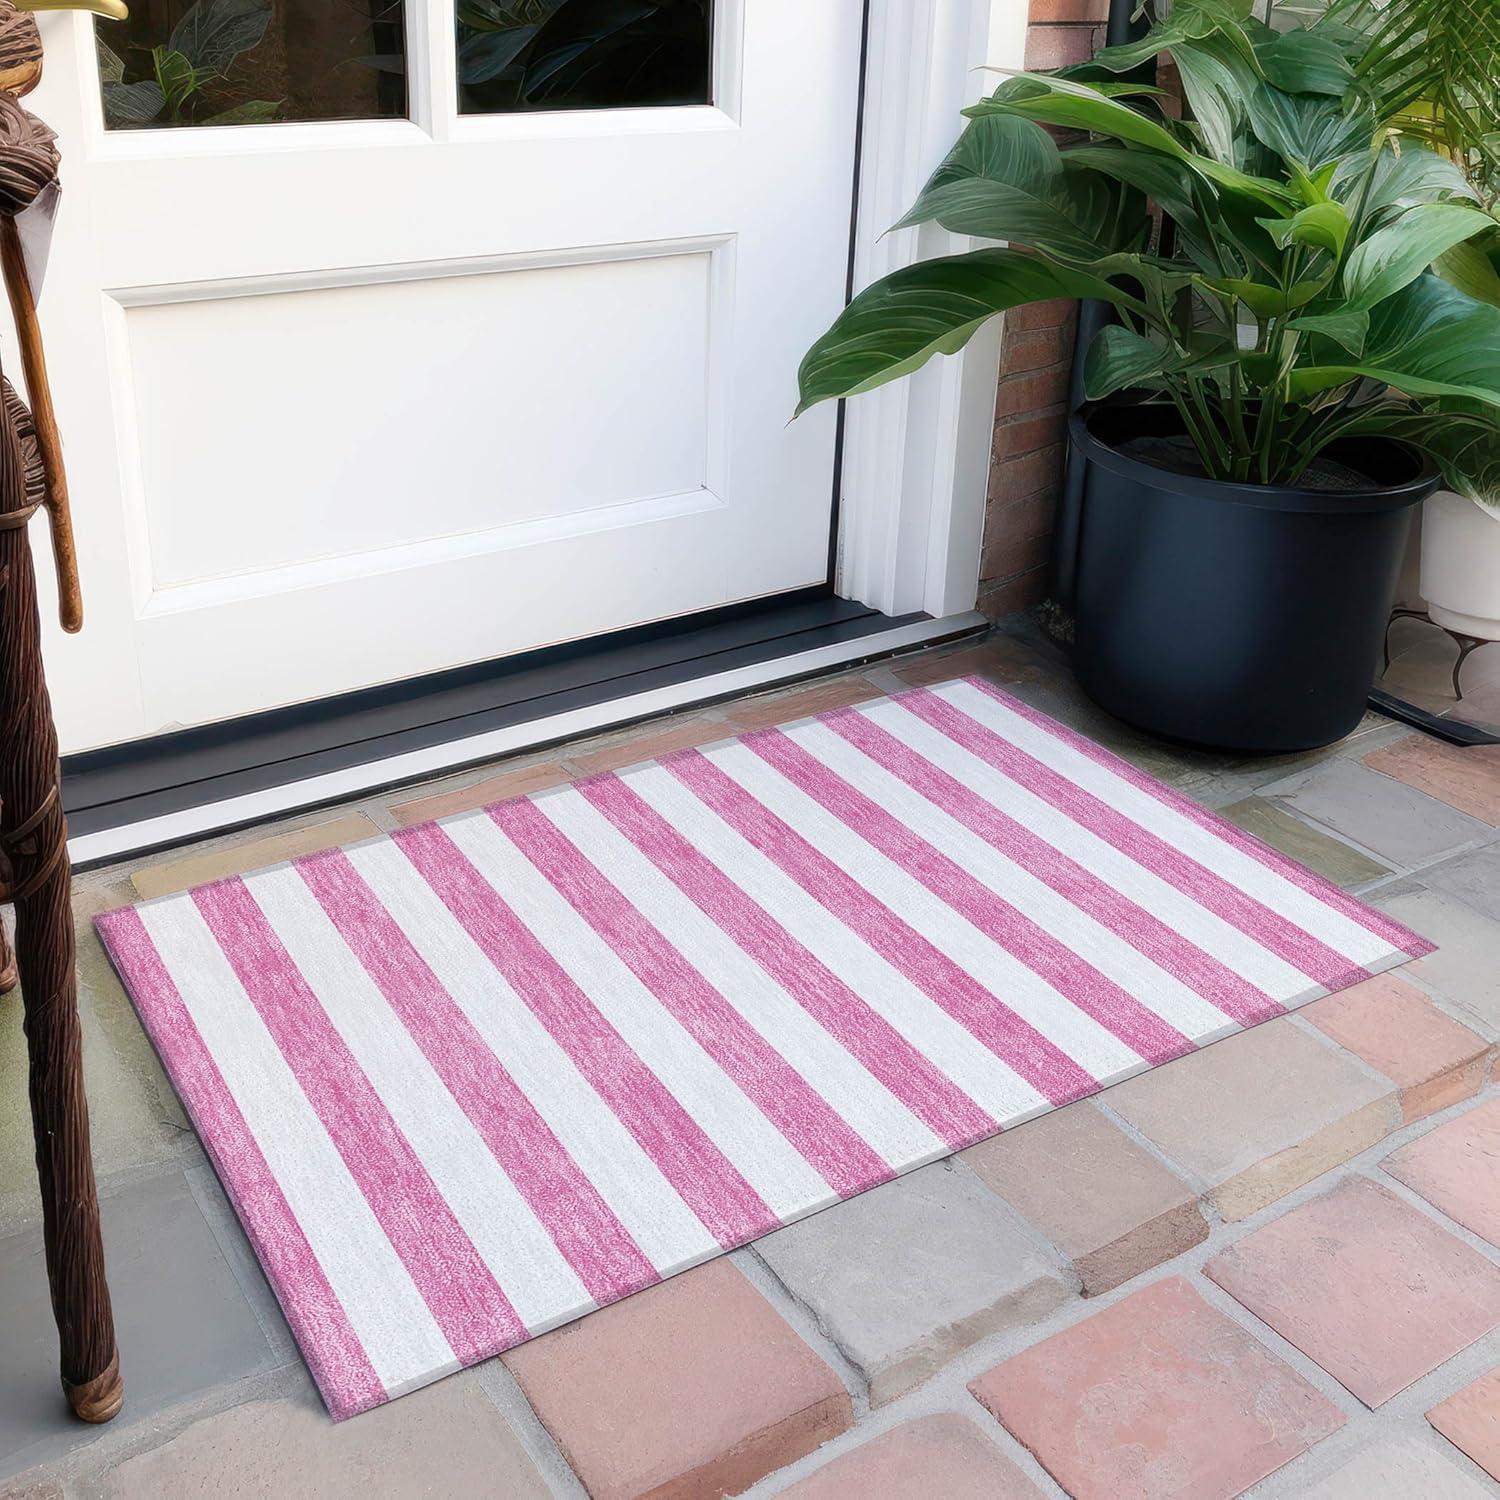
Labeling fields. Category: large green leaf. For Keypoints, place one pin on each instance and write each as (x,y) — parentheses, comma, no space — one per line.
(1427,340)
(1004,180)
(1302,62)
(1120,360)
(1188,20)
(1164,179)
(1057,101)
(1394,180)
(1395,256)
(1324,226)
(1266,301)
(934,307)
(1217,79)
(1350,329)
(1473,269)
(1311,130)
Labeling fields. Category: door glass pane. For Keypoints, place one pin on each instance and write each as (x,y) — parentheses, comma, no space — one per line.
(582,54)
(252,62)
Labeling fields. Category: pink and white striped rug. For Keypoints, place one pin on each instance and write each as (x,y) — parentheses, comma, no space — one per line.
(465,1083)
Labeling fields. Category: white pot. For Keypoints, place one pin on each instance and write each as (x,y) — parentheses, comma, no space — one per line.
(1461,565)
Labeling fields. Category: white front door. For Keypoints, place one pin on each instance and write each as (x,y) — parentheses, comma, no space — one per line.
(349,400)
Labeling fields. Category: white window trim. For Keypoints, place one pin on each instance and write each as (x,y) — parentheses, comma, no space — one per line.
(917,452)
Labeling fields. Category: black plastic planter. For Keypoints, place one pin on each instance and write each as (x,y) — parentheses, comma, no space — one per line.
(1237,616)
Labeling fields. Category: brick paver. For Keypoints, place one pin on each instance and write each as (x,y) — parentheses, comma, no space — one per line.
(1468,779)
(239,858)
(696,1387)
(1456,1168)
(515,783)
(944,1456)
(649,742)
(1393,1026)
(1000,658)
(1366,1285)
(1110,1206)
(1160,1395)
(1470,1420)
(1259,1114)
(783,708)
(905,1276)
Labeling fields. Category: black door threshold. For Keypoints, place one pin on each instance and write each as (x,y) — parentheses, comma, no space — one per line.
(124,785)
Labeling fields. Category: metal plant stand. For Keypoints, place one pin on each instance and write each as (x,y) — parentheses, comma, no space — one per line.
(1467,644)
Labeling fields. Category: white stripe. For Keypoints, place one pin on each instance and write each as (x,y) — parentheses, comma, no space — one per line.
(384,1307)
(1237,950)
(1094,1048)
(759,1152)
(864,1103)
(532,1272)
(945,1042)
(1208,849)
(626,1178)
(1082,934)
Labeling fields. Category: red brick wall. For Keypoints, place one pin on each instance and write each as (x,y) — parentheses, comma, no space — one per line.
(1036,356)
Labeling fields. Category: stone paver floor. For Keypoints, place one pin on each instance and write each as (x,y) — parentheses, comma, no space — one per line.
(1272,1267)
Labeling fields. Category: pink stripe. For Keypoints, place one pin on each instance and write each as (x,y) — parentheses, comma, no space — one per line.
(1024,1049)
(329,1343)
(707,1181)
(1269,928)
(468,1304)
(1145,932)
(592,1240)
(1370,918)
(1094,993)
(846,1161)
(930,1095)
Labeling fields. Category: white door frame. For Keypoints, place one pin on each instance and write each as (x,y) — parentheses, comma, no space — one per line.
(916,453)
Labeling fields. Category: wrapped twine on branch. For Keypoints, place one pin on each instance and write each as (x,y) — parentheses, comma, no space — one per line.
(34,872)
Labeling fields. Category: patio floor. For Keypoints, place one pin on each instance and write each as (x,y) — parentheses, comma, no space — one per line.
(1272,1266)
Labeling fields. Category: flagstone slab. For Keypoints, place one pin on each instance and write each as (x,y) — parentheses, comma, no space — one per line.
(945,1456)
(1397,1467)
(1396,821)
(1332,858)
(1365,1285)
(1473,877)
(691,1388)
(907,1275)
(1259,1114)
(1456,1168)
(1463,970)
(1470,1420)
(446,1440)
(1158,1397)
(1466,778)
(1110,1206)
(1396,1029)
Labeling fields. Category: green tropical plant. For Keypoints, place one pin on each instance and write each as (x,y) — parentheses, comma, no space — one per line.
(203,45)
(1293,304)
(1431,67)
